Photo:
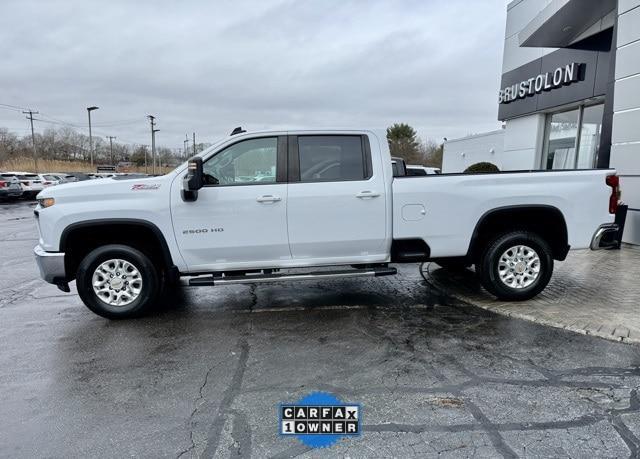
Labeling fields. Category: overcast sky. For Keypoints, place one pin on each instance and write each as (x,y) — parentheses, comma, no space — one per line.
(208,66)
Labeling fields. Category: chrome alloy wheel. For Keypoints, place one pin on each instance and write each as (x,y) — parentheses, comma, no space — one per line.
(117,282)
(519,267)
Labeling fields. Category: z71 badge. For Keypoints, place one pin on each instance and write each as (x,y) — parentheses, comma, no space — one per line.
(145,186)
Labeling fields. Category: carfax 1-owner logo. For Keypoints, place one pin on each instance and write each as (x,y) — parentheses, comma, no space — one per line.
(320,419)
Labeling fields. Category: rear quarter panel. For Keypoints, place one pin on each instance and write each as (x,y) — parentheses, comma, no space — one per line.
(454,204)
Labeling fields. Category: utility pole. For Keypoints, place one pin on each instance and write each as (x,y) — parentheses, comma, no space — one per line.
(186,145)
(33,139)
(89,110)
(194,144)
(158,161)
(110,137)
(152,119)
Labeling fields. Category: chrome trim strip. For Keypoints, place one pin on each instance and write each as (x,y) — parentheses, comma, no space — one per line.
(291,277)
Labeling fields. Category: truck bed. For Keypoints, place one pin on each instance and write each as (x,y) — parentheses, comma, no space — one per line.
(444,209)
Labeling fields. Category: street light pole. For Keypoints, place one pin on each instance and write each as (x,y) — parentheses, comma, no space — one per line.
(186,146)
(89,110)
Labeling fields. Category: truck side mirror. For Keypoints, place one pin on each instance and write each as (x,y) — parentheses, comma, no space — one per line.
(193,181)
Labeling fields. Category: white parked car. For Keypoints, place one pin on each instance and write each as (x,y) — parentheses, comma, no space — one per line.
(421,170)
(333,202)
(49,180)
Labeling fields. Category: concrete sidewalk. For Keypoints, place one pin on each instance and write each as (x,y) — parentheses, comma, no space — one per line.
(593,293)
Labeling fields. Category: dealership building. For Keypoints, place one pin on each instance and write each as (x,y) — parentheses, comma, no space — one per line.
(569,96)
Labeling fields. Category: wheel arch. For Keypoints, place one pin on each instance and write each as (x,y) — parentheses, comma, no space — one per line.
(546,220)
(80,238)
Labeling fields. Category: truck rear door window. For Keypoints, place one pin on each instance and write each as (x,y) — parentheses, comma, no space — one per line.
(331,158)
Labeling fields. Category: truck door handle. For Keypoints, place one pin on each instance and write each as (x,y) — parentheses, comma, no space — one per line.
(268,198)
(367,194)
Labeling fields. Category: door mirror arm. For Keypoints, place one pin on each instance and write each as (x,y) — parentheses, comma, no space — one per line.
(193,181)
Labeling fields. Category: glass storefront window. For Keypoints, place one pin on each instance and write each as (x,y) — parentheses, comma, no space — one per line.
(572,138)
(562,130)
(590,136)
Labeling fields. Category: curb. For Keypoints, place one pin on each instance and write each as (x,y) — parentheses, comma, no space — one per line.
(516,315)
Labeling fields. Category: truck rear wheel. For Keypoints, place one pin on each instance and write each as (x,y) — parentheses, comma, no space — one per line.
(117,282)
(516,266)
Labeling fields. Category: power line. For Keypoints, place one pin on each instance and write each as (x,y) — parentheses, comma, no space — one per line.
(124,122)
(14,107)
(44,118)
(52,120)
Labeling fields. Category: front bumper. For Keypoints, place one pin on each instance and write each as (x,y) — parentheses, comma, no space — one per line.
(51,266)
(605,237)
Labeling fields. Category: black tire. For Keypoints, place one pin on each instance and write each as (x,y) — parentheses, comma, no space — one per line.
(488,265)
(148,273)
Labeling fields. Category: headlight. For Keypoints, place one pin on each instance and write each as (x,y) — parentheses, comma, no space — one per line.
(46,202)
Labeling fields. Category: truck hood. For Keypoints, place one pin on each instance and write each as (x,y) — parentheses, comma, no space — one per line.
(107,188)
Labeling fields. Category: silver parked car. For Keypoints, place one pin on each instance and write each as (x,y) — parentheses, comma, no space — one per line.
(10,187)
(31,183)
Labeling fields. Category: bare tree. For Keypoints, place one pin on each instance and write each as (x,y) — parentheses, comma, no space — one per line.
(431,153)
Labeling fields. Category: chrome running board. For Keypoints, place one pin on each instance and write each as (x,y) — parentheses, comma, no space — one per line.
(278,277)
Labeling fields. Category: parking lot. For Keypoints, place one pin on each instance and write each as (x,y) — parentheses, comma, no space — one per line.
(203,377)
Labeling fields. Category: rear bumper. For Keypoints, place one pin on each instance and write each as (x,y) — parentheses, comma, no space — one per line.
(10,193)
(51,265)
(605,237)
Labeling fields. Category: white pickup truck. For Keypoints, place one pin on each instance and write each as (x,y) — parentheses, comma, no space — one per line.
(267,206)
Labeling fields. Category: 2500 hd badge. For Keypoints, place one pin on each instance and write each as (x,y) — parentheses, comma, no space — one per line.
(203,230)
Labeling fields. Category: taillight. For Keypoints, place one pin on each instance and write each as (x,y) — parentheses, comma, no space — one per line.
(614,182)
(3,184)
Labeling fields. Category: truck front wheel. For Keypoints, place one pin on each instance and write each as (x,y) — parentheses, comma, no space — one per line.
(516,266)
(117,282)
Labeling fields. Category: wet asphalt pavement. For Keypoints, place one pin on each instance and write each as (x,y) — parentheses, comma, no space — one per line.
(204,376)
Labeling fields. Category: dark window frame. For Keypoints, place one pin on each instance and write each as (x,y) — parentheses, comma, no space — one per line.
(294,158)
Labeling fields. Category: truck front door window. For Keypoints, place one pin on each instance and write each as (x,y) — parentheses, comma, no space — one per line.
(249,162)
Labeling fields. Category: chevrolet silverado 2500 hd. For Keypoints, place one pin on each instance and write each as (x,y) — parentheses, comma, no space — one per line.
(260,207)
